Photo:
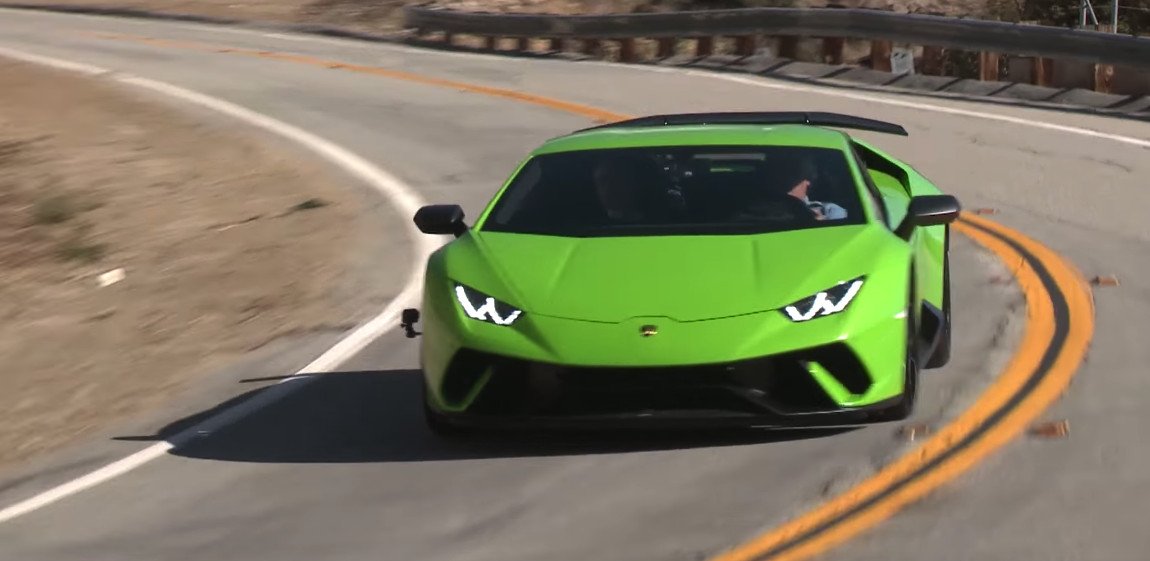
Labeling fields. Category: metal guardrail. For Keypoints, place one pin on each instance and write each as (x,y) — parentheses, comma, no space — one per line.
(915,29)
(876,25)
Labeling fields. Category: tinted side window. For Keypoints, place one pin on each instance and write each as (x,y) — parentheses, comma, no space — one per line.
(872,190)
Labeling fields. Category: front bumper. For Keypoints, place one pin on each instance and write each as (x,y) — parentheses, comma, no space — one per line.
(756,369)
(778,391)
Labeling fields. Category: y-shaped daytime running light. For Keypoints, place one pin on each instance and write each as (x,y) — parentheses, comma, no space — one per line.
(489,309)
(830,301)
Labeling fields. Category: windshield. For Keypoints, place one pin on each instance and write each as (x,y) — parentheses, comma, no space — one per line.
(679,191)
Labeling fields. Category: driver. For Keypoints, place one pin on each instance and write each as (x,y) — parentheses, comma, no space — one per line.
(796,176)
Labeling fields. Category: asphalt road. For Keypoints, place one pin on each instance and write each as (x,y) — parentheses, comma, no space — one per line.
(344,469)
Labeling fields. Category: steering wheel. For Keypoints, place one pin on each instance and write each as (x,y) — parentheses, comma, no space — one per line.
(781,207)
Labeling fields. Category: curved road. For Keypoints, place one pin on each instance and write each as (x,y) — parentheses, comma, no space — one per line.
(343,469)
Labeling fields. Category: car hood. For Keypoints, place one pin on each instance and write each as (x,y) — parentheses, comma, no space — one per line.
(684,278)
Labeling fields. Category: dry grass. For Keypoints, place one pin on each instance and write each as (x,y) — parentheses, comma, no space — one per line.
(225,243)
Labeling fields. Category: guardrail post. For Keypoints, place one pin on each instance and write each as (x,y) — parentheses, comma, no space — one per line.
(833,46)
(627,49)
(833,50)
(1043,73)
(988,66)
(745,45)
(880,52)
(789,47)
(1104,73)
(590,46)
(448,38)
(704,46)
(490,43)
(932,60)
(555,45)
(1103,78)
(523,44)
(667,47)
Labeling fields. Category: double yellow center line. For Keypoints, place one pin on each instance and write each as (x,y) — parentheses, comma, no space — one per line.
(1058,331)
(1060,325)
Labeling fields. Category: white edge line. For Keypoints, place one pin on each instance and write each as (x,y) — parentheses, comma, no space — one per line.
(759,82)
(883,99)
(402,197)
(53,62)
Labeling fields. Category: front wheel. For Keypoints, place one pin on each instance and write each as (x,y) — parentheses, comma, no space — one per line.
(437,424)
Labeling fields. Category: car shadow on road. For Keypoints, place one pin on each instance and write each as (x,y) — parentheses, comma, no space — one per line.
(356,417)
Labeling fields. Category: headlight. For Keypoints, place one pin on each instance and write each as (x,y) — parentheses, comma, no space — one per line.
(830,301)
(485,308)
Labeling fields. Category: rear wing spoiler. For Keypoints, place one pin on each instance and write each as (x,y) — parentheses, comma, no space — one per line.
(819,119)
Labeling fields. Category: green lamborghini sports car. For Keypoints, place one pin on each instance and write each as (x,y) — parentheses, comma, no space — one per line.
(720,269)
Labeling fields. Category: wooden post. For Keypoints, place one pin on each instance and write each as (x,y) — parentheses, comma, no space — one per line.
(1104,73)
(789,47)
(833,50)
(745,45)
(448,38)
(1043,73)
(627,49)
(704,46)
(1041,69)
(523,44)
(880,52)
(590,46)
(555,45)
(932,61)
(988,66)
(667,47)
(490,43)
(1103,78)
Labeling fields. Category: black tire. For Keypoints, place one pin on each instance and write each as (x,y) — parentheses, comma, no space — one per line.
(941,355)
(437,424)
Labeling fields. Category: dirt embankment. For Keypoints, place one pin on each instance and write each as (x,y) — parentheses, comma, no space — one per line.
(223,243)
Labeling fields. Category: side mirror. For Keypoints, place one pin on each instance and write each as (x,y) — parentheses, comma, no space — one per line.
(441,219)
(928,210)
